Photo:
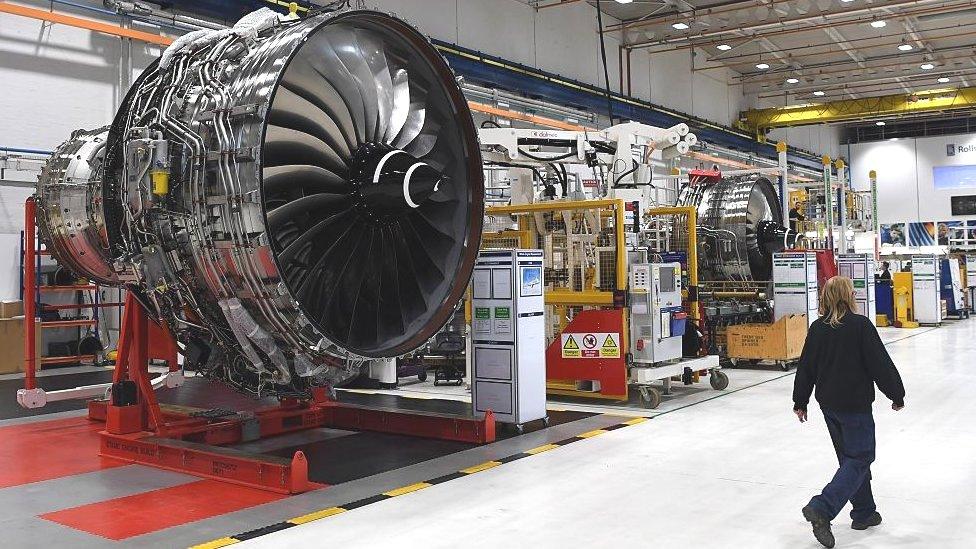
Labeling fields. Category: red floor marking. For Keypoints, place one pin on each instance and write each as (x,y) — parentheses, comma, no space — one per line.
(43,450)
(122,518)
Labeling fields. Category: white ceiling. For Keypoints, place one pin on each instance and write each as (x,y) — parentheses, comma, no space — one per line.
(827,45)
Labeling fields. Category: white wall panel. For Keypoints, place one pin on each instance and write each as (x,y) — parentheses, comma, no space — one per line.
(671,80)
(436,18)
(895,162)
(55,79)
(905,179)
(505,28)
(818,139)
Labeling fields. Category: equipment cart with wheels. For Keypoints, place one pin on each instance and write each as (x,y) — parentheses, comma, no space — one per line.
(645,378)
(657,326)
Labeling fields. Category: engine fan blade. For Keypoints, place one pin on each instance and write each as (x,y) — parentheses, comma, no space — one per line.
(292,111)
(316,204)
(327,64)
(401,105)
(286,146)
(375,57)
(308,240)
(389,325)
(343,42)
(304,80)
(311,179)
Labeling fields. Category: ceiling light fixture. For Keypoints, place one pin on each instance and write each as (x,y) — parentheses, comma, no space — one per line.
(792,80)
(879,23)
(819,93)
(680,26)
(624,1)
(879,123)
(944,80)
(904,46)
(723,47)
(762,66)
(926,66)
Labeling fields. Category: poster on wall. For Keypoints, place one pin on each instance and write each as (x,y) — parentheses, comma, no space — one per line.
(921,233)
(893,234)
(951,233)
(953,177)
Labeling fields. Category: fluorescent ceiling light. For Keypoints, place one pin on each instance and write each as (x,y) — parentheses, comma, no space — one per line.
(680,26)
(926,66)
(762,66)
(847,1)
(944,80)
(904,46)
(792,80)
(878,23)
(818,93)
(879,123)
(624,1)
(723,47)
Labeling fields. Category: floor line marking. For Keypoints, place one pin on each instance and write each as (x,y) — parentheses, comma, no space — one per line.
(407,489)
(481,467)
(332,511)
(540,449)
(316,515)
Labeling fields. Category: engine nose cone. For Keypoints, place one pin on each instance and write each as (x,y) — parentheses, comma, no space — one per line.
(391,181)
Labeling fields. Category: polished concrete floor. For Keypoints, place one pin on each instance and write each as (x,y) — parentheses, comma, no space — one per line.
(731,471)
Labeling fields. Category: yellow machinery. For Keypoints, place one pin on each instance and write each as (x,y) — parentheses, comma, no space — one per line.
(585,258)
(904,308)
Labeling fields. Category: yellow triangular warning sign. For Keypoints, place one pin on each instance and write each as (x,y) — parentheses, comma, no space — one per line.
(570,344)
(609,343)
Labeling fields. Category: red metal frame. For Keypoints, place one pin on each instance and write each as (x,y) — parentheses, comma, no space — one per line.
(171,438)
(150,434)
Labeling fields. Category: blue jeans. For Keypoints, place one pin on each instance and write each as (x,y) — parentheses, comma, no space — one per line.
(853,438)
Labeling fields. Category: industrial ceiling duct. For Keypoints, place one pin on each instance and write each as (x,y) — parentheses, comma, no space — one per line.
(739,227)
(291,197)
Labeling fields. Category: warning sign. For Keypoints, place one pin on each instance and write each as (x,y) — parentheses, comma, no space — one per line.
(588,345)
(570,347)
(610,348)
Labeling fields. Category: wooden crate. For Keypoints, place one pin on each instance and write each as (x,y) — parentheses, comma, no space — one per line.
(782,340)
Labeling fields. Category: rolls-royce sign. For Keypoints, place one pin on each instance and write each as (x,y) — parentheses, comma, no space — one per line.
(952,149)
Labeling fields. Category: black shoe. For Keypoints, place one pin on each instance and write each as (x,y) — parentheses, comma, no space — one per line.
(821,526)
(873,520)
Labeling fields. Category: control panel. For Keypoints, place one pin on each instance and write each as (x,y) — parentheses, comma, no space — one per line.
(657,319)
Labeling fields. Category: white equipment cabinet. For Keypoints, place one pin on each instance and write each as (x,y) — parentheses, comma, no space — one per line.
(508,336)
(860,269)
(795,285)
(925,289)
(971,280)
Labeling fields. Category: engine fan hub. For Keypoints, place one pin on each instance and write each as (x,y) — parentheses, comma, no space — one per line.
(390,182)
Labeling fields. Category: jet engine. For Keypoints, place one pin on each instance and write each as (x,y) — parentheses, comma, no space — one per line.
(292,198)
(739,227)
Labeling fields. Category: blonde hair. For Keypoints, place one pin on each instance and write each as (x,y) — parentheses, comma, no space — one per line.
(836,300)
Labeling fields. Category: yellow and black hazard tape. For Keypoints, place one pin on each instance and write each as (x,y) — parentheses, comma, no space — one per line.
(339,509)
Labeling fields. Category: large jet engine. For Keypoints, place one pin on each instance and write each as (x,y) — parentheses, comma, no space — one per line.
(739,227)
(291,197)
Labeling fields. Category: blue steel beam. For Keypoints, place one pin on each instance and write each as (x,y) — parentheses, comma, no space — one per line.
(498,73)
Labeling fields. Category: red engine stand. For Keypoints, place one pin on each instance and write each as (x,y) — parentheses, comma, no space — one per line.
(171,438)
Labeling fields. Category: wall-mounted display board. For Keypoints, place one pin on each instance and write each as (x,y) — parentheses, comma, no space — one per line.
(954,234)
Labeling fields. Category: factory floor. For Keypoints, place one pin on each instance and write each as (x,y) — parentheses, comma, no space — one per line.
(708,469)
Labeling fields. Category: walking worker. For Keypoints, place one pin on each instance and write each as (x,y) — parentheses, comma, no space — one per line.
(844,358)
